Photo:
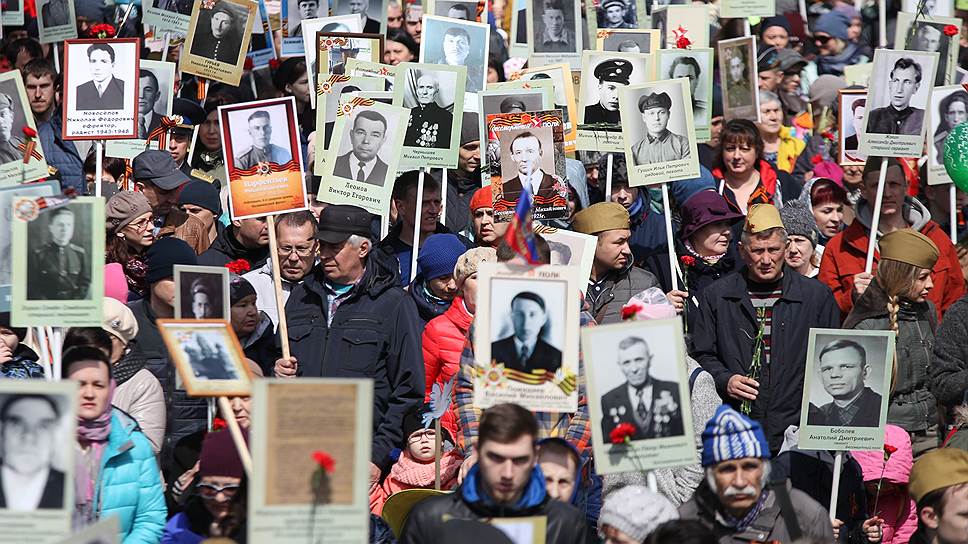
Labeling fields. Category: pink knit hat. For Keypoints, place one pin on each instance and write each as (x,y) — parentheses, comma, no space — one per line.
(115,284)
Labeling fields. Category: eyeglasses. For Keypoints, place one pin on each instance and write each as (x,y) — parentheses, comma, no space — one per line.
(210,491)
(418,435)
(141,224)
(285,251)
(822,39)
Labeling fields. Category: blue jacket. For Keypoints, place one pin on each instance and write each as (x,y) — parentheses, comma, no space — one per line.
(129,485)
(60,153)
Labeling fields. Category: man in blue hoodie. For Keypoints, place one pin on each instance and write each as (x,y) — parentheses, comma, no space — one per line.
(506,482)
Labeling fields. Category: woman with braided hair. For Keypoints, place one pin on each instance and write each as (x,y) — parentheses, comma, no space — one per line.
(897,300)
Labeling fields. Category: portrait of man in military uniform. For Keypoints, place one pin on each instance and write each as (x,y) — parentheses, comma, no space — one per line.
(59,268)
(899,116)
(9,150)
(553,32)
(262,149)
(612,74)
(738,92)
(55,13)
(430,124)
(659,144)
(219,35)
(615,14)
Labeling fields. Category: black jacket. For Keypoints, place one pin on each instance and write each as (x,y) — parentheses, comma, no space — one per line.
(618,408)
(227,248)
(543,356)
(427,307)
(868,414)
(375,333)
(723,343)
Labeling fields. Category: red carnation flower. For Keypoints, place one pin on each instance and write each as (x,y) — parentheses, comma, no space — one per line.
(325,461)
(239,266)
(622,433)
(29,132)
(630,310)
(951,30)
(683,42)
(889,449)
(687,260)
(219,424)
(816,159)
(248,63)
(274,64)
(828,135)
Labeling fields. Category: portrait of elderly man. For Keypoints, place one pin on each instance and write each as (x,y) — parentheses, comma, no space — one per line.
(358,7)
(526,151)
(220,36)
(367,138)
(262,148)
(103,91)
(844,369)
(430,124)
(899,116)
(56,13)
(659,144)
(613,14)
(688,67)
(525,350)
(651,405)
(62,267)
(9,150)
(456,48)
(149,92)
(551,31)
(928,37)
(612,75)
(28,428)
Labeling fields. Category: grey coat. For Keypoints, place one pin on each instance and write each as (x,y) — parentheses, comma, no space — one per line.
(949,371)
(607,296)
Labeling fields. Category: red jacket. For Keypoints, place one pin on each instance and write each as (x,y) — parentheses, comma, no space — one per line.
(443,340)
(846,254)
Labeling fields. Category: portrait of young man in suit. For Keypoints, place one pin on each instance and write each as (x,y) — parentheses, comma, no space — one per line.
(843,370)
(367,137)
(525,350)
(103,91)
(526,153)
(262,148)
(651,405)
(28,428)
(149,91)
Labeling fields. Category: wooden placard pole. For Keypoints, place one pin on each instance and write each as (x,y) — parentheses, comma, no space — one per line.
(277,287)
(953,213)
(416,225)
(875,220)
(98,166)
(608,178)
(233,424)
(437,445)
(673,262)
(835,486)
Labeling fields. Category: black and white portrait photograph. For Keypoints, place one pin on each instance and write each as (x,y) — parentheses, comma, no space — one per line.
(847,384)
(7,196)
(933,8)
(629,41)
(259,134)
(101,88)
(513,101)
(13,119)
(372,13)
(528,157)
(616,14)
(928,35)
(663,145)
(598,94)
(61,257)
(460,9)
(431,94)
(636,377)
(853,109)
(530,336)
(519,28)
(219,31)
(333,89)
(55,20)
(554,27)
(696,65)
(36,445)
(457,43)
(298,10)
(949,108)
(901,82)
(182,7)
(156,83)
(364,150)
(201,292)
(207,355)
(737,69)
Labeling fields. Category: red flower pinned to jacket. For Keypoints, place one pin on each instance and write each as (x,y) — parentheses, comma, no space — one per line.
(325,461)
(274,64)
(630,310)
(622,433)
(239,266)
(29,132)
(951,30)
(219,424)
(687,260)
(816,159)
(101,31)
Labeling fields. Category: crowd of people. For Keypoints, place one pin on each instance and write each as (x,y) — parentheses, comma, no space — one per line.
(769,241)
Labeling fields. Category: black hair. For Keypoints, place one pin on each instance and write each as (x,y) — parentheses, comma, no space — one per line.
(149,74)
(904,63)
(372,116)
(92,337)
(409,180)
(83,353)
(101,47)
(12,399)
(30,45)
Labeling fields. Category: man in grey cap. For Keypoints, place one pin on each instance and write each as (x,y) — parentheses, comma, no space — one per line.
(660,144)
(158,177)
(613,14)
(611,74)
(8,144)
(512,104)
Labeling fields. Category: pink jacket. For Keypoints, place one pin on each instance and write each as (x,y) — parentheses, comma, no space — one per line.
(895,505)
(408,473)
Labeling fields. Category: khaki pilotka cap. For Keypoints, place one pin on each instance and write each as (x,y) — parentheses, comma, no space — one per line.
(909,246)
(936,470)
(762,217)
(601,217)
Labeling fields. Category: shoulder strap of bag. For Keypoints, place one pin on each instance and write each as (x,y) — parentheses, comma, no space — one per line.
(787,511)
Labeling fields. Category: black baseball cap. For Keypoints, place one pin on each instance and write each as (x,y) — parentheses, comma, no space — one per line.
(157,167)
(340,221)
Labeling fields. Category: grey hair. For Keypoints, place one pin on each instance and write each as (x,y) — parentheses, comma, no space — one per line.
(746,237)
(766,97)
(356,240)
(764,478)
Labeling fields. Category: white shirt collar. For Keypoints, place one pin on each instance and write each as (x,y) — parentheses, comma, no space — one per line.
(23,492)
(534,180)
(367,166)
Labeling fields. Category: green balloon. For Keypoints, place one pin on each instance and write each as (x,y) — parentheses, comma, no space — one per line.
(956,156)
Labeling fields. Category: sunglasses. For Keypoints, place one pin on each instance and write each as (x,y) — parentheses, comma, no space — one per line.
(210,491)
(822,39)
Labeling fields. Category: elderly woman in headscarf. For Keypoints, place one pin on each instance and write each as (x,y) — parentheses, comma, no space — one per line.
(115,470)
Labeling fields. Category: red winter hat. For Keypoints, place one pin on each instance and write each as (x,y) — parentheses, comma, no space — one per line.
(482,199)
(219,456)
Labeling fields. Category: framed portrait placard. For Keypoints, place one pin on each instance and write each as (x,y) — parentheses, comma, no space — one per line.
(7,197)
(263,157)
(363,158)
(292,16)
(608,15)
(627,40)
(13,13)
(156,92)
(356,67)
(262,48)
(560,76)
(218,39)
(527,148)
(662,147)
(949,108)
(599,119)
(334,49)
(16,120)
(46,411)
(635,374)
(330,415)
(555,32)
(372,13)
(900,83)
(450,42)
(330,90)
(518,39)
(570,248)
(208,357)
(533,307)
(928,35)
(434,94)
(737,68)
(56,21)
(202,292)
(932,8)
(345,24)
(697,66)
(846,389)
(512,97)
(58,263)
(101,89)
(853,109)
